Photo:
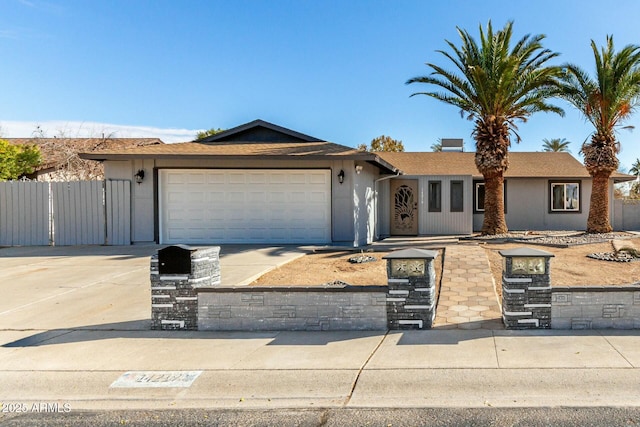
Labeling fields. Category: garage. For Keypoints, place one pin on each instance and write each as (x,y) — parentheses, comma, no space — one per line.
(264,206)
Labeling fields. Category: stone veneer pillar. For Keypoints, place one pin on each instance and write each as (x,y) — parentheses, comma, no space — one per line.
(526,289)
(176,272)
(411,282)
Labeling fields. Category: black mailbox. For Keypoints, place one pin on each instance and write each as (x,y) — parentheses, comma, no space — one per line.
(175,259)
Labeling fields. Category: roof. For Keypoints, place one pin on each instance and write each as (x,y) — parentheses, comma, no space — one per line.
(260,130)
(264,140)
(521,164)
(53,156)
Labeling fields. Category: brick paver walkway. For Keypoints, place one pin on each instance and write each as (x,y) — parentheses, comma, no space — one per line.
(467,297)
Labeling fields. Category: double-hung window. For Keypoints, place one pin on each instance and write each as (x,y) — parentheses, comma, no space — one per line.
(564,196)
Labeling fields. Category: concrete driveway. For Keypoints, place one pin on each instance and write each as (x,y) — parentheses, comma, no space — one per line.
(103,287)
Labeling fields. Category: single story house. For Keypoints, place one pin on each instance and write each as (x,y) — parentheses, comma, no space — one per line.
(262,183)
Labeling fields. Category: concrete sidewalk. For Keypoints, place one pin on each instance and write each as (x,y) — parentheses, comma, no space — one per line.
(436,368)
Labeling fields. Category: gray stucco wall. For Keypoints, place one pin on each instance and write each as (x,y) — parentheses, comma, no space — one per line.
(364,201)
(528,202)
(355,194)
(141,195)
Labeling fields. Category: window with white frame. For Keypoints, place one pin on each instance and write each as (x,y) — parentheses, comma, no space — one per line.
(564,196)
(478,196)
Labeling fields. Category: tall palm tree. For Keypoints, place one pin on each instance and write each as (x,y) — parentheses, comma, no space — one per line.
(556,145)
(607,101)
(495,85)
(635,168)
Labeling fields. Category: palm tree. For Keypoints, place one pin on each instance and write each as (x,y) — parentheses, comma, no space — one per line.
(437,147)
(556,145)
(606,101)
(635,168)
(496,85)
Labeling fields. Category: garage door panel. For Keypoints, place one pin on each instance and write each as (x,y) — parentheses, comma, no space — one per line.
(237,178)
(215,197)
(298,197)
(215,178)
(317,178)
(175,178)
(257,197)
(235,206)
(277,178)
(195,178)
(194,197)
(257,178)
(318,197)
(298,178)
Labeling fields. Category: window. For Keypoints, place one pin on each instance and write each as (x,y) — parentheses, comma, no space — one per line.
(478,205)
(457,196)
(435,196)
(478,196)
(565,196)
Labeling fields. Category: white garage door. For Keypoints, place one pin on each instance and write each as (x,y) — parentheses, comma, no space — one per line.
(238,206)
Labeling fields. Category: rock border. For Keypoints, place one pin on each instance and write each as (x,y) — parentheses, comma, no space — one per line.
(558,239)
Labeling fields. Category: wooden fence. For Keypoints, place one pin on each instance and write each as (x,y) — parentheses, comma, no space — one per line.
(65,213)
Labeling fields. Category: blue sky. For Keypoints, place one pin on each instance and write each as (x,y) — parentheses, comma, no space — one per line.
(331,69)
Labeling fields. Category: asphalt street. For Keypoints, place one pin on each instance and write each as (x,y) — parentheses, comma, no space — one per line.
(388,417)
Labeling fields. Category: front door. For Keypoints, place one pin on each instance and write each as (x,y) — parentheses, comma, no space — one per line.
(404,207)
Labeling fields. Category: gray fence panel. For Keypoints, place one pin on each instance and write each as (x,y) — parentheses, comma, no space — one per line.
(24,213)
(627,215)
(118,210)
(65,213)
(78,213)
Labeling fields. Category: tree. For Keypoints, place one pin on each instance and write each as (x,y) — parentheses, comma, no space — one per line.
(607,100)
(17,160)
(556,145)
(205,133)
(635,168)
(437,147)
(495,85)
(383,143)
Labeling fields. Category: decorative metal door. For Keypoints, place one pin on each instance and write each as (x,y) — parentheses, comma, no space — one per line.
(404,207)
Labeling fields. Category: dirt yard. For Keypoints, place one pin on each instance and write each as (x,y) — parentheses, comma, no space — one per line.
(326,267)
(569,267)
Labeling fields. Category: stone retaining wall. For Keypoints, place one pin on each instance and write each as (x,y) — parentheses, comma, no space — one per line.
(292,308)
(596,307)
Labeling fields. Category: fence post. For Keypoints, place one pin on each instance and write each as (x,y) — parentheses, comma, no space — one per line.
(412,289)
(526,289)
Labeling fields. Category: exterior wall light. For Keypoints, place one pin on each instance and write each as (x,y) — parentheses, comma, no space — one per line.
(341,176)
(359,169)
(139,176)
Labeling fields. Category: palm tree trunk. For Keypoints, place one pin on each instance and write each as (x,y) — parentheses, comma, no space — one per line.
(494,220)
(598,221)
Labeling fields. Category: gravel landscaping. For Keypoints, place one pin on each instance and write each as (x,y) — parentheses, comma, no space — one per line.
(560,239)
